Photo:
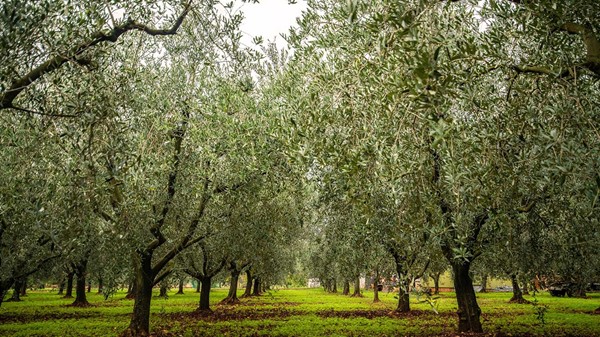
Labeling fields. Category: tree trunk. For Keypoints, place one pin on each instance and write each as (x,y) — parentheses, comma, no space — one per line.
(436,283)
(89,286)
(180,290)
(198,286)
(256,291)
(69,291)
(163,291)
(232,295)
(4,287)
(140,320)
(484,279)
(468,310)
(357,288)
(517,294)
(346,290)
(24,288)
(525,287)
(80,271)
(100,285)
(131,291)
(333,286)
(16,295)
(248,291)
(376,287)
(61,286)
(205,294)
(403,295)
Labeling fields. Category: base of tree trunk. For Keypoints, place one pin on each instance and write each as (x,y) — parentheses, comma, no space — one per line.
(230,301)
(179,293)
(80,304)
(357,295)
(130,296)
(68,296)
(597,311)
(130,333)
(203,312)
(13,300)
(376,300)
(519,301)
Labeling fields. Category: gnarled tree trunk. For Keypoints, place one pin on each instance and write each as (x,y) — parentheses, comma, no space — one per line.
(80,271)
(484,279)
(16,295)
(468,310)
(346,290)
(140,320)
(232,294)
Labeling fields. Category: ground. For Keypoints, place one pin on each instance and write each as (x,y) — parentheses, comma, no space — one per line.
(298,312)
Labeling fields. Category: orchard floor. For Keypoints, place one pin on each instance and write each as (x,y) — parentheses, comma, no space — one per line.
(297,312)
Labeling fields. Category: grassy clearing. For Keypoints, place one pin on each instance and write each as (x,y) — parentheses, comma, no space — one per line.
(295,312)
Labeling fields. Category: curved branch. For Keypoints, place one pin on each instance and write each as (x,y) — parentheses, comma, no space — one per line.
(54,63)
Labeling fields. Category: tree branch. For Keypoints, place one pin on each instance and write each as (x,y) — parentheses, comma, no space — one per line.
(54,63)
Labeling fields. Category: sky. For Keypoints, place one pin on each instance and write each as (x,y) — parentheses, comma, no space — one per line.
(269,18)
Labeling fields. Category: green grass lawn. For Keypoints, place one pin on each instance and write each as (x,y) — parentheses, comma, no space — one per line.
(296,312)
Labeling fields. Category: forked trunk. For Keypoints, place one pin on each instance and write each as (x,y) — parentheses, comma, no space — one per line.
(468,310)
(205,294)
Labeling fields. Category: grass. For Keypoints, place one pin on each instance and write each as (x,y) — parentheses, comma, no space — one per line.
(296,312)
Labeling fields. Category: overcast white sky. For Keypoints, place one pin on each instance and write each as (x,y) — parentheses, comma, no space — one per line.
(269,18)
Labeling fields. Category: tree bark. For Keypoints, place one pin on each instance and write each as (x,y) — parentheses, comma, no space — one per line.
(205,293)
(256,291)
(517,293)
(436,283)
(334,286)
(16,295)
(525,287)
(140,320)
(24,288)
(80,271)
(468,310)
(89,286)
(346,290)
(61,287)
(248,291)
(232,295)
(376,287)
(69,290)
(198,286)
(483,289)
(163,291)
(100,285)
(180,290)
(403,295)
(357,292)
